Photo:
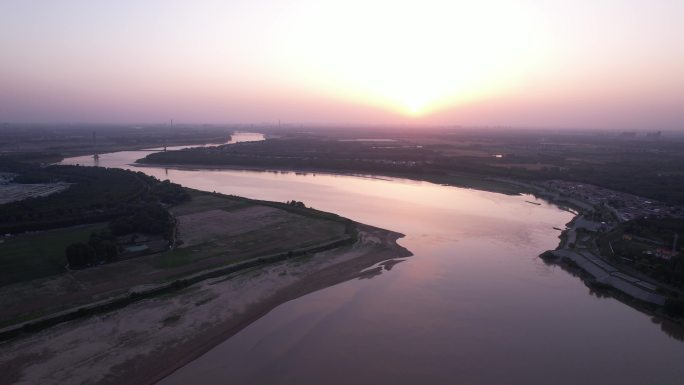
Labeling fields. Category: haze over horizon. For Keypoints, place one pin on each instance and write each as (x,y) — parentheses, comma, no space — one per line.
(613,64)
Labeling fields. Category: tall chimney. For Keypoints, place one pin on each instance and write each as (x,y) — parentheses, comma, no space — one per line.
(95,154)
(674,243)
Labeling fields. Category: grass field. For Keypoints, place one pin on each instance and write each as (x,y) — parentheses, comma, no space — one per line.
(37,255)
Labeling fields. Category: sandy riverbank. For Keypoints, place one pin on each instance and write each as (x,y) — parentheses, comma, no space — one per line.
(144,342)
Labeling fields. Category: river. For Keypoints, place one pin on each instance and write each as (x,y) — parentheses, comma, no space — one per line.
(474,305)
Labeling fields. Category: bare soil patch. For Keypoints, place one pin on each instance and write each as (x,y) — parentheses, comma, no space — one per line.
(211,225)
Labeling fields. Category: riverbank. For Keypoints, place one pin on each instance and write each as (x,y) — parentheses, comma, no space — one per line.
(148,340)
(600,272)
(578,254)
(142,292)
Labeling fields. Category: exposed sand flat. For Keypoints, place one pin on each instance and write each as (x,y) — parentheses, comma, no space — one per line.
(146,341)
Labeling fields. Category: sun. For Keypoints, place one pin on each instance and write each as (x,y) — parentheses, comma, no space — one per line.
(426,57)
(415,107)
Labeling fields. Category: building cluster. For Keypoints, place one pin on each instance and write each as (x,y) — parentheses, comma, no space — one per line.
(625,206)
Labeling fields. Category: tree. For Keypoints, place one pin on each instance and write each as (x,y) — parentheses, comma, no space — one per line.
(101,247)
(79,255)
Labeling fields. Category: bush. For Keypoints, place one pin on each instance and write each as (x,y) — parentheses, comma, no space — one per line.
(80,255)
(101,247)
(150,218)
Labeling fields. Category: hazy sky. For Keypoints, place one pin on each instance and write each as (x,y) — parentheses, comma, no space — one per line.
(594,63)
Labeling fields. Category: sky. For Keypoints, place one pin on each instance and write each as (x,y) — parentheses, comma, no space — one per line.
(616,64)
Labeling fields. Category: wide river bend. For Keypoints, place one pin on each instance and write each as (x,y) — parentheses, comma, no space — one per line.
(474,305)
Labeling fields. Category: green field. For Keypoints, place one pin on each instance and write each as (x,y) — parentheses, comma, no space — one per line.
(37,255)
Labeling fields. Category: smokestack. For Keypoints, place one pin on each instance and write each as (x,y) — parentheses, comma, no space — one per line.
(165,136)
(95,155)
(674,243)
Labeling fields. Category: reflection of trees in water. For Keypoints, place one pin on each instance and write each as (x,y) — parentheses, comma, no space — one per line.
(595,289)
(672,328)
(599,292)
(669,327)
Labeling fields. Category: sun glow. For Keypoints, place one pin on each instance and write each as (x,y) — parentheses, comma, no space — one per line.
(413,59)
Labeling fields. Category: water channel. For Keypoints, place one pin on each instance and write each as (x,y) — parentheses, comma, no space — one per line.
(474,305)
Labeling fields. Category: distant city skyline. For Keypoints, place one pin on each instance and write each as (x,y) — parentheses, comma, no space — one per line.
(610,65)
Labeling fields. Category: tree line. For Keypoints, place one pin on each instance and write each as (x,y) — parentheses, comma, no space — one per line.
(95,194)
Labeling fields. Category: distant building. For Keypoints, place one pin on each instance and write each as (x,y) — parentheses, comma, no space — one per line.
(664,253)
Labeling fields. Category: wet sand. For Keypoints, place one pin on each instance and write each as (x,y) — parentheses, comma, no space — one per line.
(147,341)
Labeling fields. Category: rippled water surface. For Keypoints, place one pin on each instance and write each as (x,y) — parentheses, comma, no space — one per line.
(474,305)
